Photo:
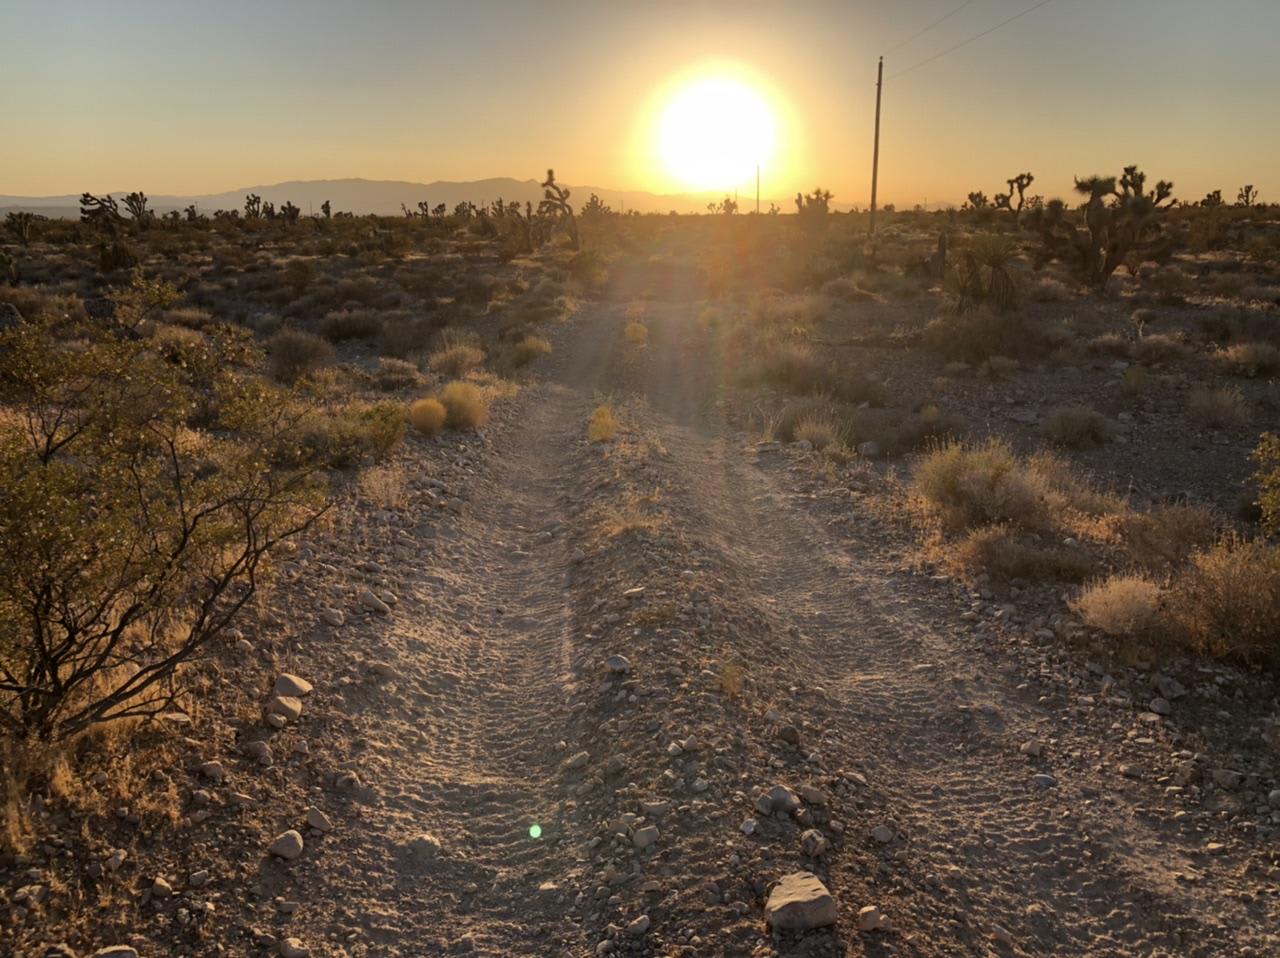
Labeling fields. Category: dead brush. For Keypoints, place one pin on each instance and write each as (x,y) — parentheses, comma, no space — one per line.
(1077,427)
(1227,602)
(1251,360)
(465,405)
(1217,408)
(1127,605)
(1004,555)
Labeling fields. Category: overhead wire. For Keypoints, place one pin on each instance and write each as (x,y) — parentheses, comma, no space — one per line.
(923,30)
(973,39)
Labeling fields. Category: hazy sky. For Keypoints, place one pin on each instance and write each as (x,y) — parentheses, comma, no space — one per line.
(186,97)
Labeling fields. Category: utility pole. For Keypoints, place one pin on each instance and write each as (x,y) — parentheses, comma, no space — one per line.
(875,157)
(757,189)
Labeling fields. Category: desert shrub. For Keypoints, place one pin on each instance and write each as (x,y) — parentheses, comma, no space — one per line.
(1267,456)
(637,333)
(353,434)
(792,366)
(998,368)
(1002,554)
(528,349)
(131,540)
(395,374)
(454,361)
(1159,348)
(1227,602)
(818,430)
(345,324)
(1076,427)
(784,429)
(427,416)
(978,334)
(405,337)
(1109,344)
(465,405)
(1165,536)
(1217,408)
(293,354)
(1126,605)
(603,426)
(1252,359)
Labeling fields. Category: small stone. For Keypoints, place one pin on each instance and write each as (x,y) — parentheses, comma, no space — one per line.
(748,826)
(800,902)
(1032,748)
(198,879)
(578,760)
(813,843)
(1044,780)
(370,601)
(213,771)
(789,734)
(115,951)
(617,664)
(319,820)
(1002,935)
(161,888)
(883,834)
(60,950)
(638,926)
(287,845)
(333,617)
(814,796)
(644,837)
(1274,797)
(286,706)
(259,750)
(869,918)
(293,948)
(782,799)
(1160,705)
(291,686)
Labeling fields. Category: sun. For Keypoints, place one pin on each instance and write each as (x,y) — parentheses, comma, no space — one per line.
(714,132)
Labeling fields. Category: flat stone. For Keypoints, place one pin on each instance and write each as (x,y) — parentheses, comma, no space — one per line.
(115,951)
(319,820)
(292,686)
(287,707)
(287,845)
(800,902)
(370,601)
(293,948)
(646,836)
(883,834)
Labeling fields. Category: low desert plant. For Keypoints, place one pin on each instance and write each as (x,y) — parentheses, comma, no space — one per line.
(603,426)
(1002,554)
(1267,456)
(345,324)
(1217,408)
(465,405)
(528,349)
(454,361)
(1252,359)
(637,333)
(1227,603)
(1165,537)
(293,354)
(427,416)
(818,430)
(1126,605)
(1076,427)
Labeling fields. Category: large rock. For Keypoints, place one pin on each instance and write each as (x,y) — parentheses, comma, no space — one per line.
(800,902)
(291,686)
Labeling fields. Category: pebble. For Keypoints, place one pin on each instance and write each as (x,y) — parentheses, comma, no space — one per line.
(579,760)
(213,770)
(372,602)
(292,686)
(319,820)
(161,888)
(287,845)
(115,951)
(638,926)
(646,836)
(1160,705)
(198,879)
(287,707)
(883,834)
(789,734)
(617,664)
(333,617)
(813,843)
(869,918)
(293,948)
(1032,748)
(1044,781)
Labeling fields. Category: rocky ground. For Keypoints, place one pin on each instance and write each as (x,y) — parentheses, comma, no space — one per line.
(685,693)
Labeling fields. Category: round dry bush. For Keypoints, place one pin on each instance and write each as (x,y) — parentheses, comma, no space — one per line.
(456,360)
(637,333)
(427,416)
(1122,605)
(465,406)
(603,426)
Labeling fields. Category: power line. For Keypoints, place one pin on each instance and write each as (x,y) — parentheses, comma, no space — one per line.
(921,32)
(972,39)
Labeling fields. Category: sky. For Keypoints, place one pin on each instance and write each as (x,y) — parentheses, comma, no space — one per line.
(197,97)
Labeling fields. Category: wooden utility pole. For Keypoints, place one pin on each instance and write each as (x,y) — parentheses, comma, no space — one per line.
(757,189)
(875,156)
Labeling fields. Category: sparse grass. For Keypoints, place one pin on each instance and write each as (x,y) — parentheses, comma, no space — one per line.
(1160,348)
(385,486)
(1217,408)
(603,426)
(818,430)
(1163,537)
(455,361)
(1126,605)
(1252,359)
(528,349)
(346,324)
(465,405)
(637,333)
(1076,427)
(427,416)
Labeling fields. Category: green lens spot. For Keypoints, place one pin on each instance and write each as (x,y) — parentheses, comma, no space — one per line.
(535,830)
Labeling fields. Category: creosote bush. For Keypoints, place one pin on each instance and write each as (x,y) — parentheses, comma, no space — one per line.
(293,354)
(528,349)
(1077,427)
(1227,602)
(465,405)
(454,361)
(603,426)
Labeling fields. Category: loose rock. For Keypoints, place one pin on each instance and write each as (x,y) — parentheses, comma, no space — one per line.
(800,902)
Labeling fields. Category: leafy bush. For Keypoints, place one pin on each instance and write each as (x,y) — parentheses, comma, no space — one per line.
(353,434)
(293,354)
(465,405)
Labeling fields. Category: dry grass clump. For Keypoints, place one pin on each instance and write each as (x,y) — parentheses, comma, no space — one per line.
(965,486)
(529,349)
(465,405)
(978,334)
(818,430)
(427,416)
(395,374)
(1252,359)
(293,354)
(1076,427)
(456,360)
(1002,554)
(1217,408)
(1121,605)
(1227,602)
(1160,348)
(385,486)
(345,324)
(1165,536)
(637,333)
(603,426)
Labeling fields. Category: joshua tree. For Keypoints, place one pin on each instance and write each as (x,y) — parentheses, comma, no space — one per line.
(555,203)
(19,224)
(1247,196)
(136,204)
(193,214)
(1212,200)
(269,210)
(595,208)
(99,210)
(813,208)
(252,206)
(978,200)
(726,207)
(1017,184)
(439,210)
(1119,219)
(326,210)
(289,213)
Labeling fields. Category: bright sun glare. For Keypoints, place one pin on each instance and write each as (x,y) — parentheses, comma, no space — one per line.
(713,132)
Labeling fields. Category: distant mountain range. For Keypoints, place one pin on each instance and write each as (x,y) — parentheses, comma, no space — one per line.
(384,197)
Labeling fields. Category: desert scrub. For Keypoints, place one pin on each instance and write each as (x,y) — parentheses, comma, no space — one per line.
(603,426)
(1002,554)
(1227,602)
(1217,408)
(637,333)
(528,349)
(427,416)
(819,430)
(1251,359)
(1267,456)
(1164,537)
(1076,427)
(293,354)
(349,435)
(454,361)
(345,324)
(1126,605)
(465,405)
